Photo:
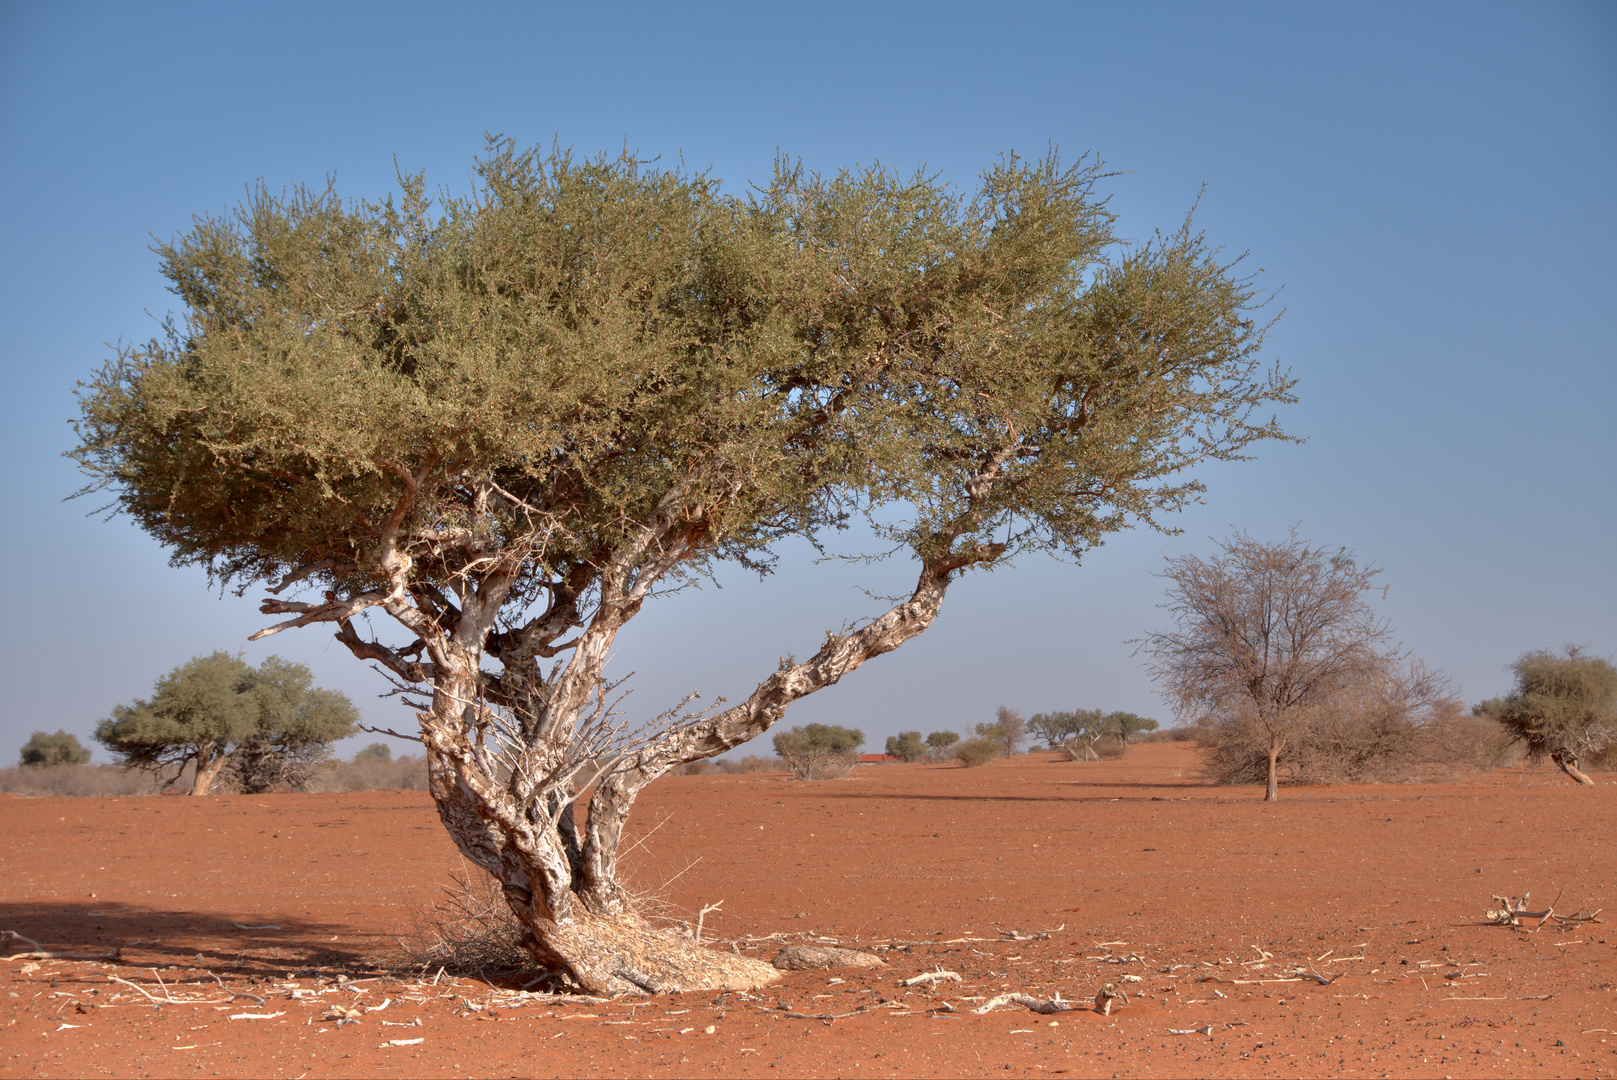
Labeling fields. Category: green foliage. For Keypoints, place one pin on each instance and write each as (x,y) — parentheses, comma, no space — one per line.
(1081,731)
(906,746)
(268,724)
(1009,729)
(596,336)
(1126,725)
(1564,706)
(43,750)
(818,738)
(978,751)
(375,752)
(1059,728)
(942,740)
(819,751)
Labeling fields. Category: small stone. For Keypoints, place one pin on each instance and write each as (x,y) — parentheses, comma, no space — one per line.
(710,1029)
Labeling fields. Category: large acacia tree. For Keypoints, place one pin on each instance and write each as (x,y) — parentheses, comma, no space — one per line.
(478,434)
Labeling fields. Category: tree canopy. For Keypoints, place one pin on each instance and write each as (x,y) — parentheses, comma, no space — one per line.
(906,746)
(502,421)
(1264,634)
(1564,707)
(266,724)
(43,750)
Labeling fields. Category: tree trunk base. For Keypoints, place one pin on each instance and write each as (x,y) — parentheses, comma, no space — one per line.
(624,954)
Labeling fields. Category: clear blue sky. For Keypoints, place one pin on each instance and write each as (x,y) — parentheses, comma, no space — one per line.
(1432,185)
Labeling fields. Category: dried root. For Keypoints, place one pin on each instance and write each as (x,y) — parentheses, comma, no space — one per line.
(1512,911)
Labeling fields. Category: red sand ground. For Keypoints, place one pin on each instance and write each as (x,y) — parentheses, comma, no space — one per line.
(1383,885)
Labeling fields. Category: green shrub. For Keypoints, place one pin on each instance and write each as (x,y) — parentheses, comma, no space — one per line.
(1564,708)
(906,746)
(819,751)
(59,749)
(978,751)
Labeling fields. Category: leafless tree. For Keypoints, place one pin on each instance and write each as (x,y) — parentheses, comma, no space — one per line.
(1266,635)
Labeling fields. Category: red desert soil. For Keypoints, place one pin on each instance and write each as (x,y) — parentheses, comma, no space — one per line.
(1207,896)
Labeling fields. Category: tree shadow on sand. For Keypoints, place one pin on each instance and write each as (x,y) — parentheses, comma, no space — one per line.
(130,934)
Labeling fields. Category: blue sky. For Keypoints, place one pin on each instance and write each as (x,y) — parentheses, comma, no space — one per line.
(1429,187)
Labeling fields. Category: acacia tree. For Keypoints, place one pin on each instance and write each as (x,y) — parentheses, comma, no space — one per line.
(819,751)
(1266,633)
(939,742)
(1009,729)
(1564,707)
(43,750)
(501,423)
(906,746)
(265,725)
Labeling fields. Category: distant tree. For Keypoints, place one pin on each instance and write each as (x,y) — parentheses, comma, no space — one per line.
(375,752)
(819,751)
(1012,728)
(58,749)
(939,742)
(268,724)
(1126,725)
(978,751)
(1265,635)
(1058,729)
(1564,707)
(906,746)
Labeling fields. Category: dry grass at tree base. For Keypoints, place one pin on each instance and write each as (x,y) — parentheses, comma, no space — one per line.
(469,931)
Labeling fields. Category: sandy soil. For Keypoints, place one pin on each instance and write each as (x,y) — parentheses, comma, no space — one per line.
(1101,870)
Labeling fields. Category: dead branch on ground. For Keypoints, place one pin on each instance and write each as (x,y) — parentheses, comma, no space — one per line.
(931,977)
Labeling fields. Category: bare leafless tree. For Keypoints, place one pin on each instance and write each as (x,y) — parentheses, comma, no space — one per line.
(1265,636)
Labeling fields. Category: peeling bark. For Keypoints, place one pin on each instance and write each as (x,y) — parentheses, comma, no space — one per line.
(1569,765)
(209,763)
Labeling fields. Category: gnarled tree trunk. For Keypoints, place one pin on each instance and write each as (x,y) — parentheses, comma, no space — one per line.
(209,762)
(1569,765)
(561,881)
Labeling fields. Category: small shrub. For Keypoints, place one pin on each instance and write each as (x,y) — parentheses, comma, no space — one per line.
(1476,742)
(76,780)
(1110,747)
(978,751)
(378,750)
(44,750)
(371,773)
(693,768)
(752,763)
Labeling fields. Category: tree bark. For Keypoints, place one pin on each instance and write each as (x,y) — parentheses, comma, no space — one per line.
(1273,794)
(209,762)
(1569,765)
